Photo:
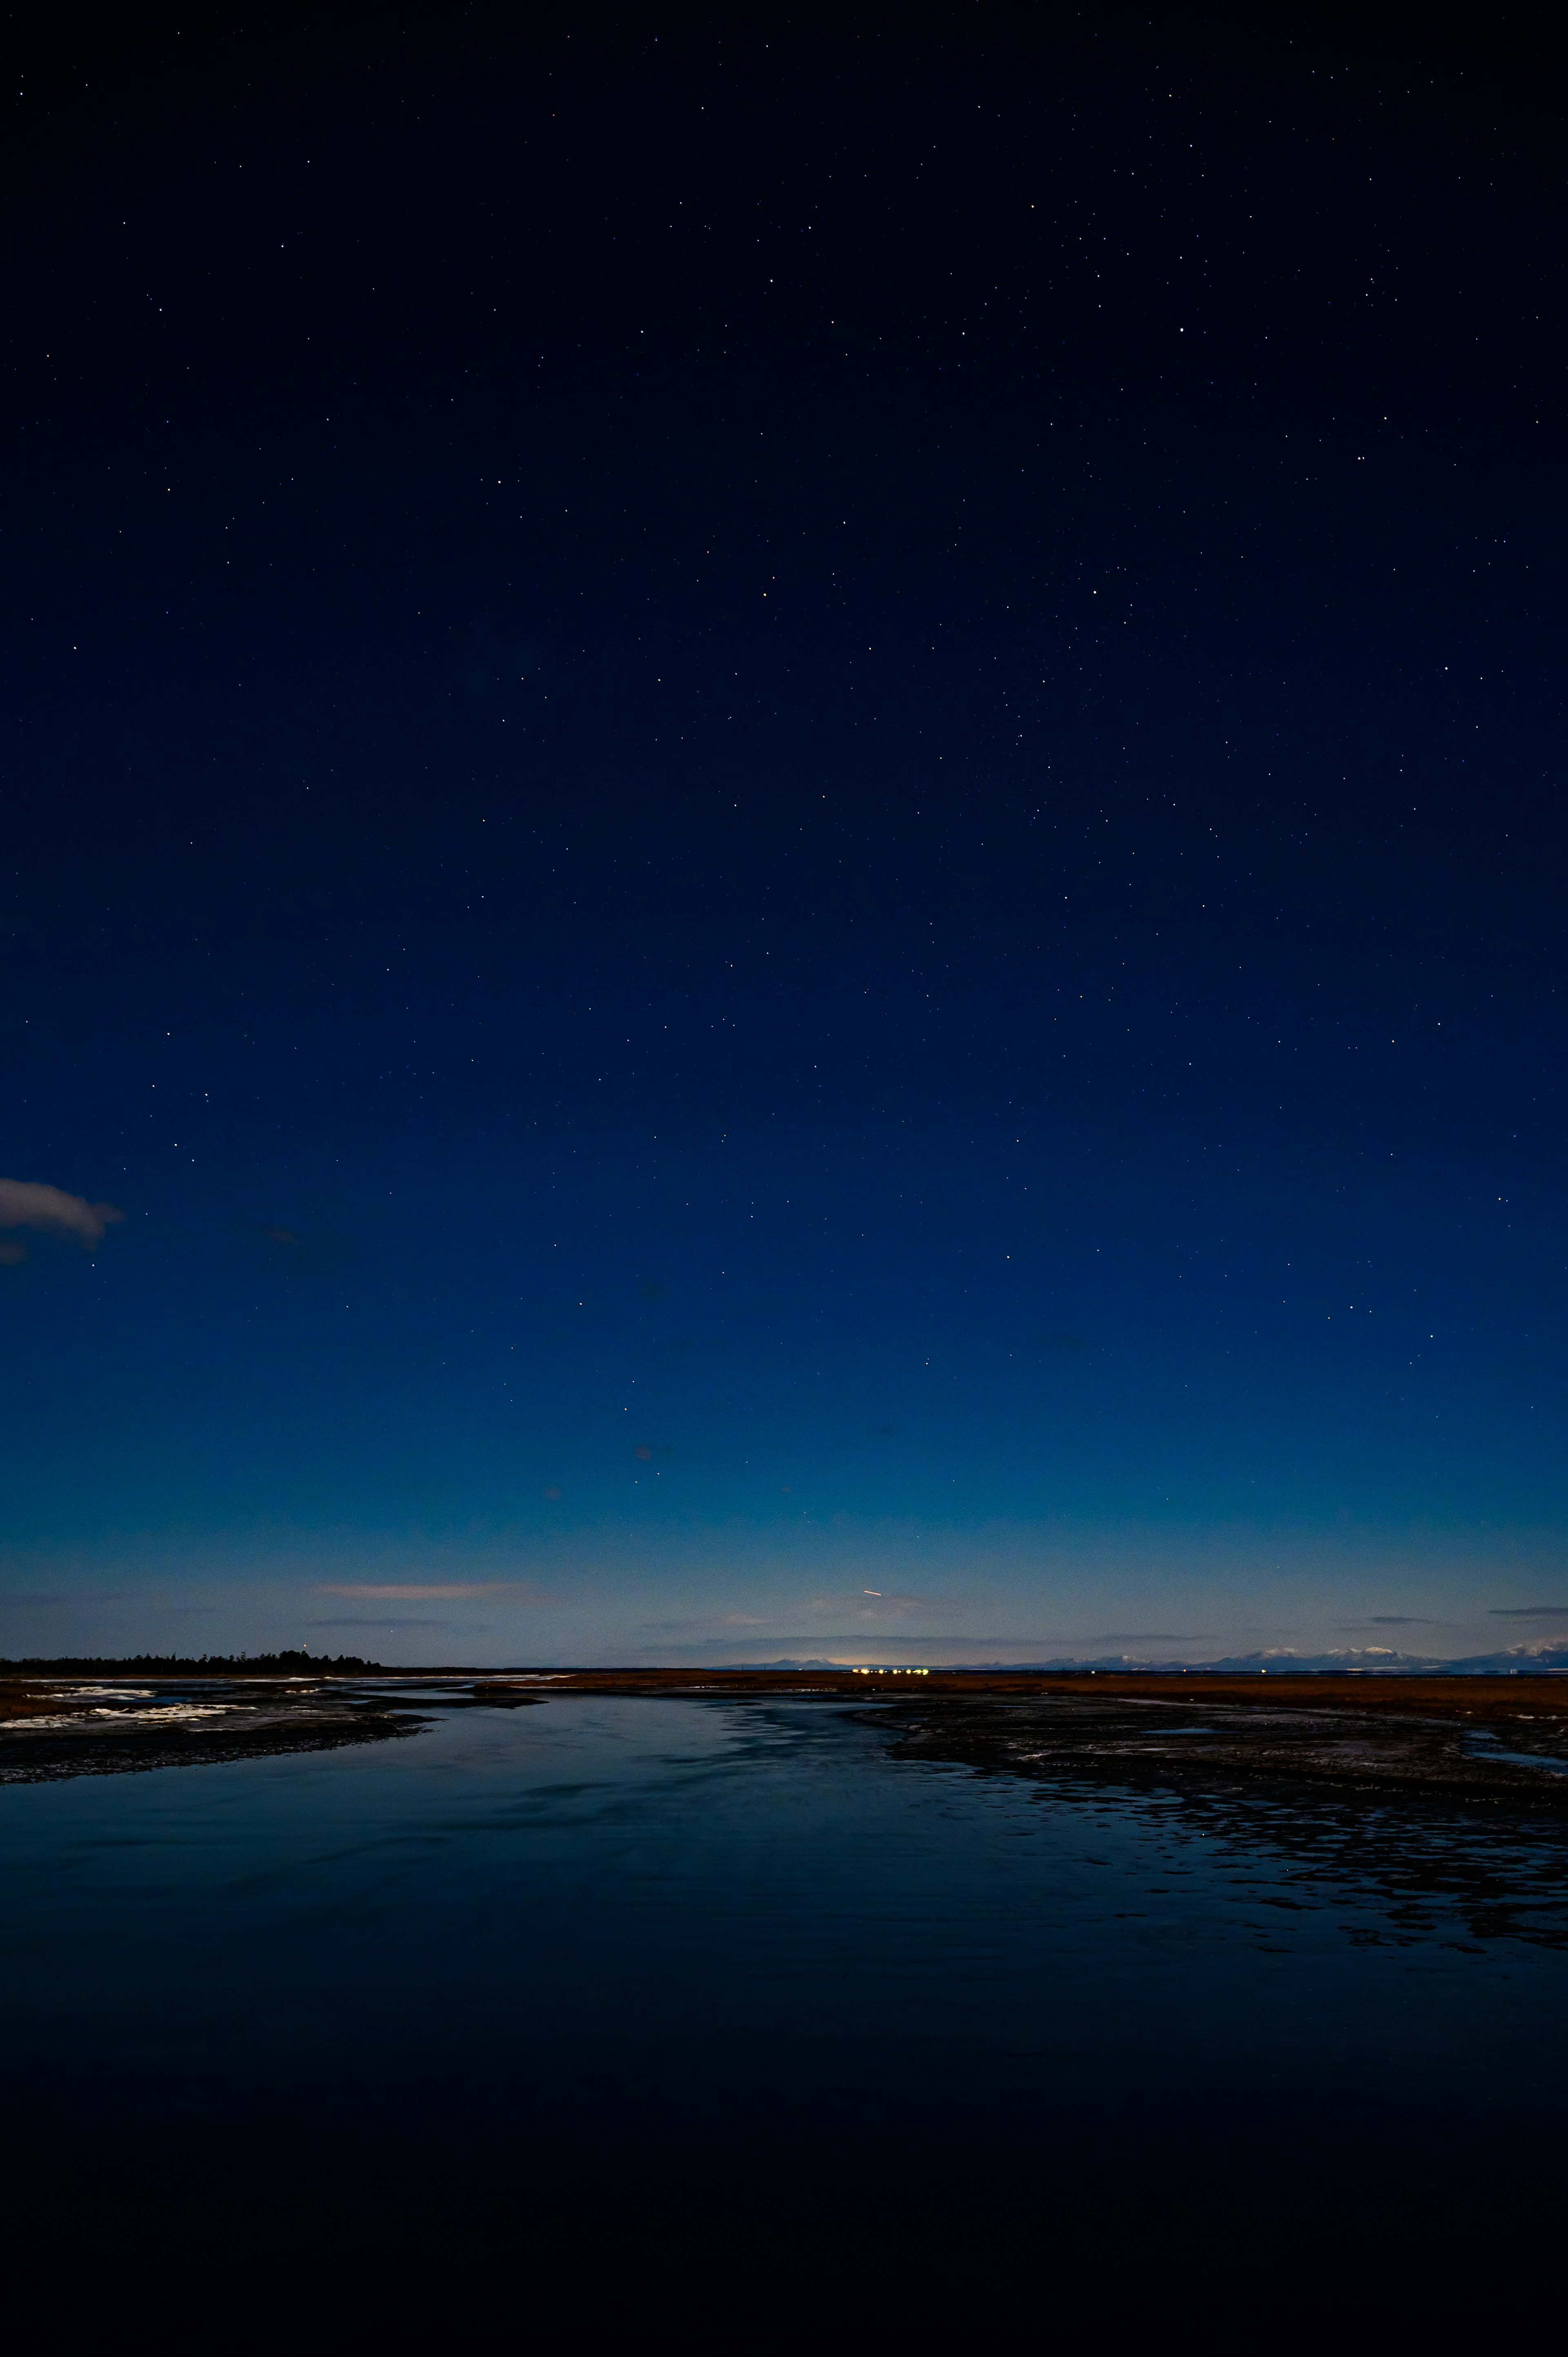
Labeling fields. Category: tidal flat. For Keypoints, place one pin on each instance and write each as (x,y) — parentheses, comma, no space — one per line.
(111,1725)
(1502,1742)
(1499,1740)
(680,1986)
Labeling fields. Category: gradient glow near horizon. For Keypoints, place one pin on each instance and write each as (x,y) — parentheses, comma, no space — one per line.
(873,992)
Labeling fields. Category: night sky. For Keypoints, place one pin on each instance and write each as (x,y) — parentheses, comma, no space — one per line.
(783,807)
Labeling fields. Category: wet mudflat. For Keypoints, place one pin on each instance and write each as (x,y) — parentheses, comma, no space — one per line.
(1456,1744)
(59,1728)
(1463,1737)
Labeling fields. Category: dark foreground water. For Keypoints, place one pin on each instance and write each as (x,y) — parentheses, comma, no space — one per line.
(685,1996)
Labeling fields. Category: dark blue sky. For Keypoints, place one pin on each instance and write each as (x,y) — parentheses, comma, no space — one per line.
(784,809)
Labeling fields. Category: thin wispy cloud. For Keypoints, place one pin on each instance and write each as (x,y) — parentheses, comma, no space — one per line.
(730,1620)
(1152,1636)
(421,1591)
(1528,1612)
(1401,1620)
(872,1603)
(50,1211)
(366,1621)
(319,1252)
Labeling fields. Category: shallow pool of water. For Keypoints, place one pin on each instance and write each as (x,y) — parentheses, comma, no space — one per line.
(704,1991)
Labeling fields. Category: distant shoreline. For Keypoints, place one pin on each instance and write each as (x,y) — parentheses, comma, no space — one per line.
(1282,1674)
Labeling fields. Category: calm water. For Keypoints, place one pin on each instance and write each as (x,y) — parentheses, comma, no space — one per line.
(689,1990)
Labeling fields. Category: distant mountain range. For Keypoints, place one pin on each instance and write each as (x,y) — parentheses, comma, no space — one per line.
(1379,1661)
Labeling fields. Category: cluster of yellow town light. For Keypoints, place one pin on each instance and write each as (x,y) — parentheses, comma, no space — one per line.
(878,1672)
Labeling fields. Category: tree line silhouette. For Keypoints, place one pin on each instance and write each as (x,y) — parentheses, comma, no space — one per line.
(181,1666)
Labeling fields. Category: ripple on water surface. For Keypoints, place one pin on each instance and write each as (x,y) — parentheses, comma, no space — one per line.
(749,1978)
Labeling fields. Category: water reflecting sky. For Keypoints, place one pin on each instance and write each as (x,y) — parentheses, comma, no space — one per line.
(627,1984)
